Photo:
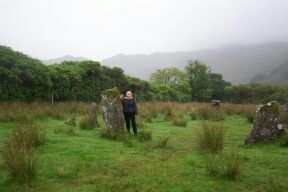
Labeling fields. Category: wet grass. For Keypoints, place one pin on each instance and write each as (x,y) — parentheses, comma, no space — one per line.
(86,161)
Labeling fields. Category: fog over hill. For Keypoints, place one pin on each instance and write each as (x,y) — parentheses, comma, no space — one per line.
(238,63)
(64,58)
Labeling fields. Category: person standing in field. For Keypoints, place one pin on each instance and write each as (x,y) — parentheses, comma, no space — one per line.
(130,111)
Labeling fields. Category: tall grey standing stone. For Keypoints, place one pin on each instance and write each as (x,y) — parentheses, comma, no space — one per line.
(267,123)
(112,109)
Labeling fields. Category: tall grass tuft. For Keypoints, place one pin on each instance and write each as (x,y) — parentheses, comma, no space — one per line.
(179,121)
(119,135)
(19,161)
(162,143)
(223,166)
(272,184)
(211,114)
(87,123)
(210,137)
(144,136)
(232,166)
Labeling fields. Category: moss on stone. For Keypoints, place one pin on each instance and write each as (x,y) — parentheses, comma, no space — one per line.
(114,92)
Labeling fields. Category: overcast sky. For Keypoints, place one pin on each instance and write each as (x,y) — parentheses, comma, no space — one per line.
(97,29)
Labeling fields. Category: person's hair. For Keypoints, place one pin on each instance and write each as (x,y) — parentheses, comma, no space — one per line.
(128,91)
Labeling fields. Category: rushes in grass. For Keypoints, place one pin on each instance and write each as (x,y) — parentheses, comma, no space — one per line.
(19,161)
(162,143)
(179,121)
(144,136)
(29,136)
(71,121)
(224,166)
(210,137)
(17,153)
(87,123)
(112,134)
(232,166)
(272,184)
(211,114)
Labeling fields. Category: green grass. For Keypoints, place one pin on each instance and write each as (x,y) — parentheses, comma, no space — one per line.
(85,161)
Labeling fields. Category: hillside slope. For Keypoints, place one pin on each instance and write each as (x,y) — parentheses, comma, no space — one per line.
(64,58)
(238,64)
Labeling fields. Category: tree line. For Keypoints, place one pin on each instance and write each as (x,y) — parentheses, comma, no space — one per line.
(23,78)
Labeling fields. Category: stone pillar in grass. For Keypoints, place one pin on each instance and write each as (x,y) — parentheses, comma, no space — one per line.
(112,109)
(267,123)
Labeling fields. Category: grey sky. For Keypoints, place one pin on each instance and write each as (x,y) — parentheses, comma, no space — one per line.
(98,29)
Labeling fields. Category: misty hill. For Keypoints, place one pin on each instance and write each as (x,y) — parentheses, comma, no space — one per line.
(64,58)
(277,76)
(238,64)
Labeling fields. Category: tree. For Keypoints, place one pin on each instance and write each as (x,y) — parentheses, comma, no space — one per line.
(173,76)
(22,78)
(198,78)
(170,84)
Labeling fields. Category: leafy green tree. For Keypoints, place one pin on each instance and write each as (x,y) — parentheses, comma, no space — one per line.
(198,78)
(170,84)
(173,76)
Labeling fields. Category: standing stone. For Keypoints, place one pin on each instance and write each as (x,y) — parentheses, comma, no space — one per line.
(112,109)
(216,104)
(267,123)
(94,114)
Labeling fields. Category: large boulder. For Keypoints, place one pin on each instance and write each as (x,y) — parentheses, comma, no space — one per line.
(267,123)
(112,109)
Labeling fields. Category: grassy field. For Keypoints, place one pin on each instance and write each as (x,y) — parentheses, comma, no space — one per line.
(74,159)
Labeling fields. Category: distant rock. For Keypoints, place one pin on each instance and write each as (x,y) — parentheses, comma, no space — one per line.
(267,123)
(64,58)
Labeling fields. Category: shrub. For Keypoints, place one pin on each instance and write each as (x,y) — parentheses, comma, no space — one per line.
(87,123)
(179,121)
(144,136)
(112,134)
(210,138)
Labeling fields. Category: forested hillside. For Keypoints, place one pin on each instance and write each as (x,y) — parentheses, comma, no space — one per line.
(277,76)
(26,79)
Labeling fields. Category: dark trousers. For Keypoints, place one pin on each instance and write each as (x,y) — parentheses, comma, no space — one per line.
(130,117)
